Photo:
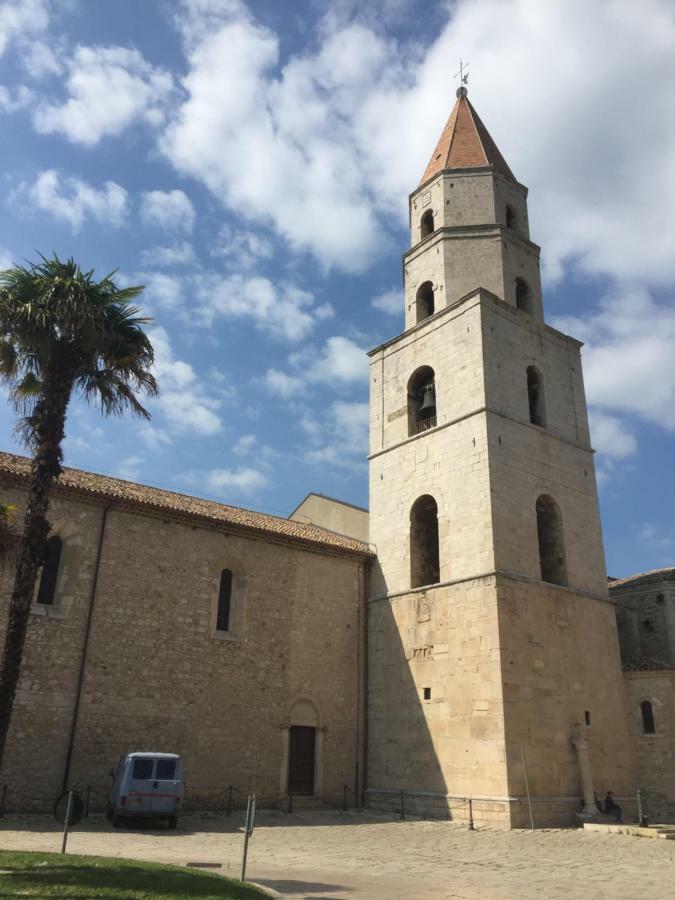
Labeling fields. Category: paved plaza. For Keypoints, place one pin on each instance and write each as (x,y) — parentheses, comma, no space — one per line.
(334,856)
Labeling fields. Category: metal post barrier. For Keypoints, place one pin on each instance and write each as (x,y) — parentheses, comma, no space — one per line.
(248,831)
(471,828)
(67,822)
(344,799)
(640,811)
(86,801)
(3,801)
(403,804)
(228,808)
(289,806)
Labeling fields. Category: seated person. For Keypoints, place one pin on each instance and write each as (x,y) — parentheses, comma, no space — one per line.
(612,808)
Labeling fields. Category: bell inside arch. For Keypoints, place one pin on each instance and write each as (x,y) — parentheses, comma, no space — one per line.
(428,407)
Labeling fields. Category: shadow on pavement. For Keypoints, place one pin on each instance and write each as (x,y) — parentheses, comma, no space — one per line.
(195,823)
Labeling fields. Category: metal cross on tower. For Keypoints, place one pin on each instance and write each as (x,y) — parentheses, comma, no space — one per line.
(463,77)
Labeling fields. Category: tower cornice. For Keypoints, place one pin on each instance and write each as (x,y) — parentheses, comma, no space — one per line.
(469,231)
(480,295)
(466,171)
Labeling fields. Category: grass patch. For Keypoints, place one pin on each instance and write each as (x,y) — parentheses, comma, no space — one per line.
(54,875)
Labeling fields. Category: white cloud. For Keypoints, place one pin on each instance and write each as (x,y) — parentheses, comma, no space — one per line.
(154,438)
(180,253)
(166,291)
(610,436)
(110,88)
(245,248)
(18,20)
(340,438)
(185,400)
(12,101)
(129,468)
(283,385)
(39,59)
(245,480)
(250,446)
(282,310)
(325,146)
(73,200)
(6,259)
(339,362)
(289,162)
(167,209)
(629,364)
(389,302)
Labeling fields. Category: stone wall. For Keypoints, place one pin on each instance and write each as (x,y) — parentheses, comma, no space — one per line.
(655,753)
(158,675)
(645,614)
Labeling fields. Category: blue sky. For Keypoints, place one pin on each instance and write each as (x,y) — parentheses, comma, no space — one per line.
(250,164)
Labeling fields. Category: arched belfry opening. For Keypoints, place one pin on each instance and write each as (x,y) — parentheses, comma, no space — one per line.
(551,541)
(424,301)
(535,397)
(424,553)
(511,218)
(421,401)
(524,298)
(427,224)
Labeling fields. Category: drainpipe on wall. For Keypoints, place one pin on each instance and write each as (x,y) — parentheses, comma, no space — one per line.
(360,775)
(85,648)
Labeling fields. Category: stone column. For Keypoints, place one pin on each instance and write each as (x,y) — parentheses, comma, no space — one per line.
(581,746)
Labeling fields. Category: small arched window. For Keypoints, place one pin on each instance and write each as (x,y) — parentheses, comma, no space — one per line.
(524,298)
(511,218)
(421,401)
(424,301)
(426,224)
(551,542)
(535,396)
(424,556)
(50,571)
(224,601)
(648,724)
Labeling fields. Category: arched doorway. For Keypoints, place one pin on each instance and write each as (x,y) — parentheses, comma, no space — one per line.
(302,750)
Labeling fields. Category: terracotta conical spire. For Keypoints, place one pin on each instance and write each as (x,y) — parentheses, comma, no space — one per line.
(465,143)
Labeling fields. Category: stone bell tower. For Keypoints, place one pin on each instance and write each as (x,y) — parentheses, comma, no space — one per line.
(491,636)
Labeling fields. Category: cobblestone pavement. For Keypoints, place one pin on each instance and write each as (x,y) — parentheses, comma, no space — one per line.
(334,856)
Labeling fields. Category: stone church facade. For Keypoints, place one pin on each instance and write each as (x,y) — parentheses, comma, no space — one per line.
(468,648)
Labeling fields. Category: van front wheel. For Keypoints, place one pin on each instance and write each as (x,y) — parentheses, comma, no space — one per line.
(173,821)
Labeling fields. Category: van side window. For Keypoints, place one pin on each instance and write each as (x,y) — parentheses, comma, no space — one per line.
(142,768)
(166,769)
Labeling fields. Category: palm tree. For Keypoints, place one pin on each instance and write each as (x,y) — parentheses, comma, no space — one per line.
(61,332)
(8,536)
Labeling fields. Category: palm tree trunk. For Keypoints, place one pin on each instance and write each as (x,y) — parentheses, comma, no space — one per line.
(47,423)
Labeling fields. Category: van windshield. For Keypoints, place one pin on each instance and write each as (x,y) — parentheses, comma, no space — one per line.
(142,769)
(166,769)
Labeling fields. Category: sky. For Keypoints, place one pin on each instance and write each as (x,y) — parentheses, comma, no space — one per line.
(250,164)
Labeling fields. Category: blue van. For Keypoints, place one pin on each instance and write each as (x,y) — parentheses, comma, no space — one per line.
(147,785)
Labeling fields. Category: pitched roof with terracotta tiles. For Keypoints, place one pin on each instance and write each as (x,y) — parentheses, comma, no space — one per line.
(465,143)
(232,518)
(652,576)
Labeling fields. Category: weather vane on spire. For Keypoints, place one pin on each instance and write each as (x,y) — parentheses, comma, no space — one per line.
(462,90)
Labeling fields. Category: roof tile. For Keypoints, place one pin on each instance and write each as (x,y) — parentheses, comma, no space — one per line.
(465,143)
(152,498)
